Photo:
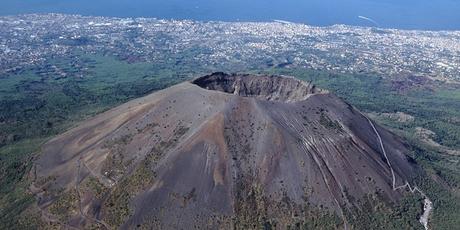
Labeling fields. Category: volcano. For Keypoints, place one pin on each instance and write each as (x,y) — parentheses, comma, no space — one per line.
(222,151)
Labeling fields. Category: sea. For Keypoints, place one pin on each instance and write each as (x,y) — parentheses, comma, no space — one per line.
(399,14)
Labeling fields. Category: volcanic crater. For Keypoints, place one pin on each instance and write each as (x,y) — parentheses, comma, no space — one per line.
(221,151)
(271,88)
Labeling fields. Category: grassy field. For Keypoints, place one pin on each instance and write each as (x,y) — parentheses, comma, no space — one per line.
(39,102)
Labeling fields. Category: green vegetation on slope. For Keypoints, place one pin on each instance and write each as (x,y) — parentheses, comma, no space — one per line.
(15,162)
(40,102)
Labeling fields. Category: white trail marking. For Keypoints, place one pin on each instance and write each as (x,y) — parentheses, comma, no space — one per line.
(428,205)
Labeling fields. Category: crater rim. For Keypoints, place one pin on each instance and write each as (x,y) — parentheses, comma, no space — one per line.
(263,87)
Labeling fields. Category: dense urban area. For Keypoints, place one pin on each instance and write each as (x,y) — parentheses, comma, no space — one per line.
(31,39)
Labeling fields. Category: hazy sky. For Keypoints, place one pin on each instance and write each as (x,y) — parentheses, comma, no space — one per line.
(407,14)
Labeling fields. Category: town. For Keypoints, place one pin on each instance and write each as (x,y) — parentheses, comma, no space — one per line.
(32,39)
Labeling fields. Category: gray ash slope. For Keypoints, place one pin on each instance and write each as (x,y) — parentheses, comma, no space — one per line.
(221,151)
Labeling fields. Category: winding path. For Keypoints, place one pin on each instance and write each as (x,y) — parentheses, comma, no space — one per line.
(428,205)
(77,188)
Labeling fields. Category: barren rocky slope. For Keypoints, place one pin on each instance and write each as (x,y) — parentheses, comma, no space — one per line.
(229,151)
